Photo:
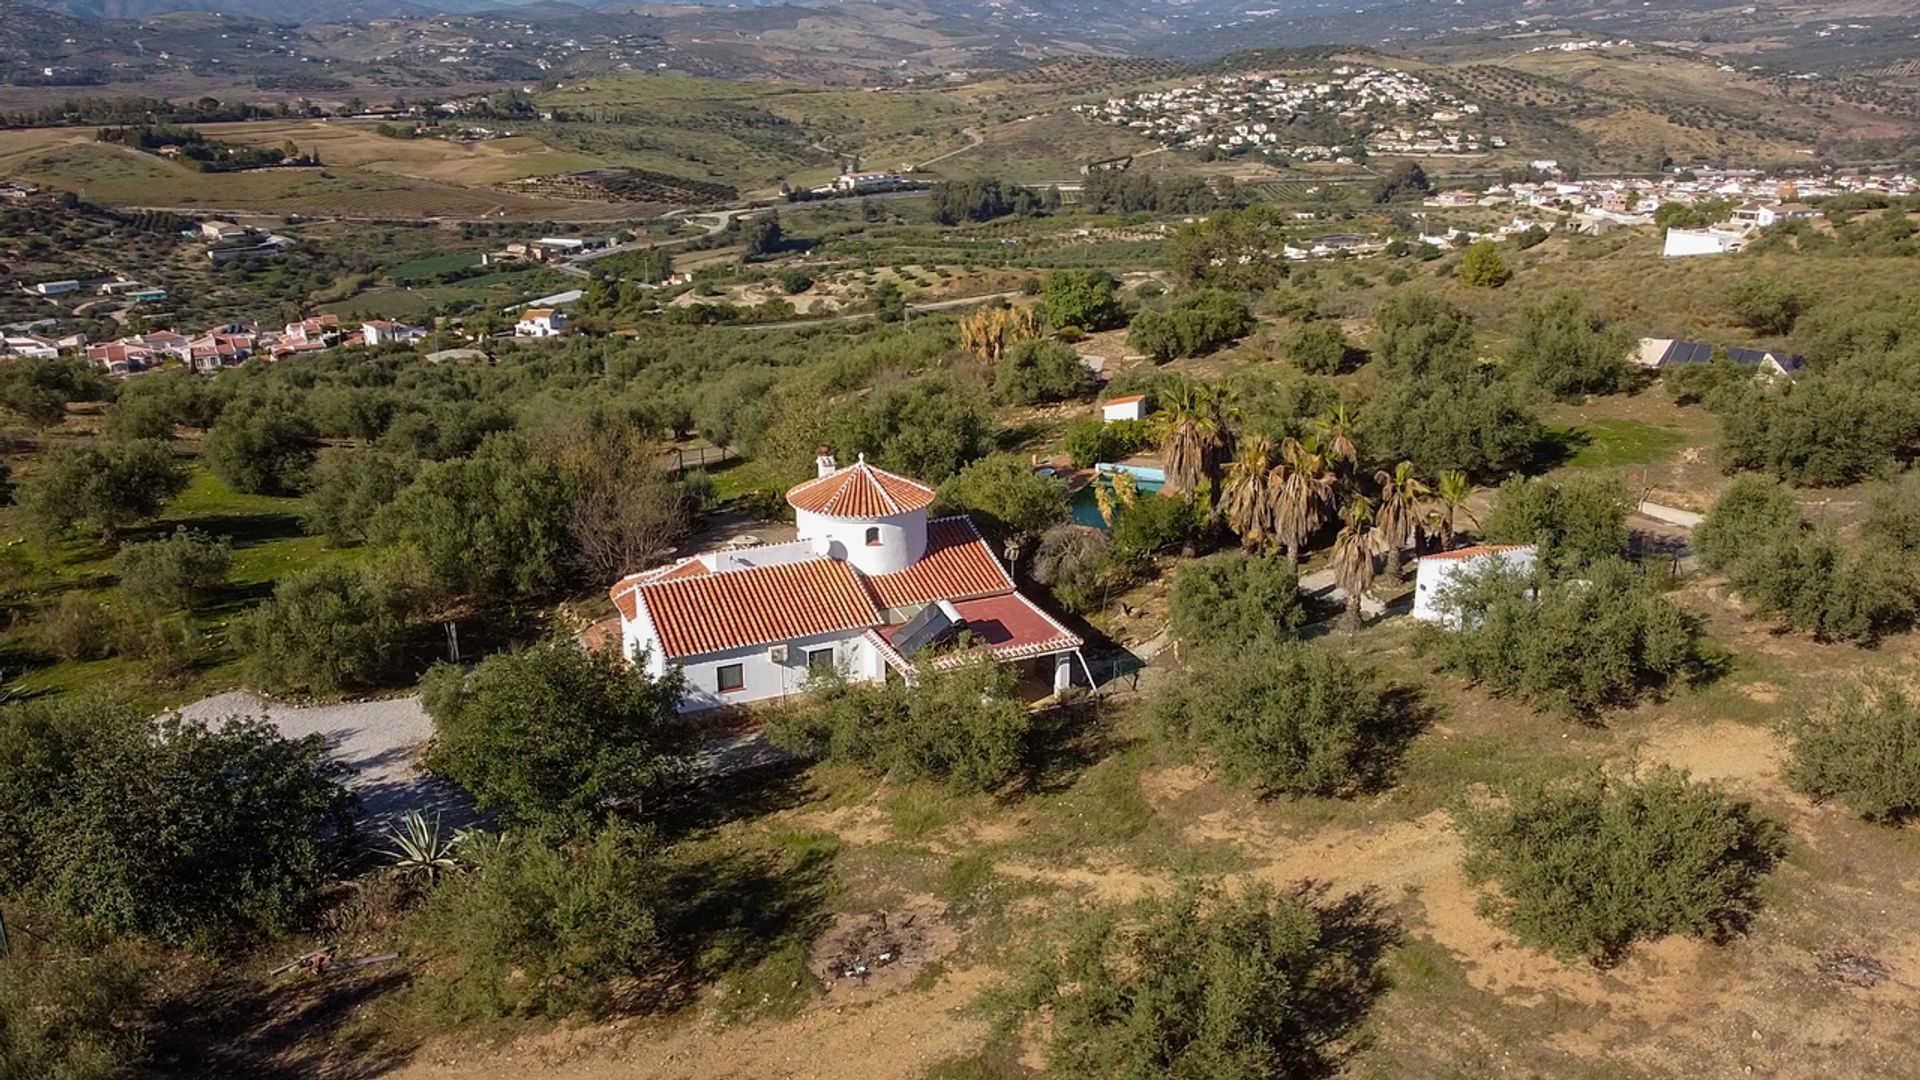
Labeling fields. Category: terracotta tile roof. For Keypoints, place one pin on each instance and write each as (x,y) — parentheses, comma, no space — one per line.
(958,565)
(860,491)
(622,590)
(1472,552)
(711,612)
(1128,400)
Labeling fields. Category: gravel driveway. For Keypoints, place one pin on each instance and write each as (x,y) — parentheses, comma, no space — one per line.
(379,740)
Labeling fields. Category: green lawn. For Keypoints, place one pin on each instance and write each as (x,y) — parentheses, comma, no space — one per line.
(267,543)
(1602,444)
(423,269)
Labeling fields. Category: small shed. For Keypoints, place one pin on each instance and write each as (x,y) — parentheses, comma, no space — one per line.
(1438,572)
(1132,407)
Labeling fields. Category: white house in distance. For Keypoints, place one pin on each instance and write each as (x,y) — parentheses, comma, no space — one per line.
(540,322)
(1132,407)
(869,585)
(377,332)
(1438,572)
(1684,242)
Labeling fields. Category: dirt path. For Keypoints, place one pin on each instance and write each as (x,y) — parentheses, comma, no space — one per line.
(843,1036)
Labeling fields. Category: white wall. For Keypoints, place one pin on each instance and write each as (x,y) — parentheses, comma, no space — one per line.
(1684,242)
(1435,575)
(903,539)
(765,680)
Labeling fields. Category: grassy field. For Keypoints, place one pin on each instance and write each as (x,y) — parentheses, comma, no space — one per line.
(267,545)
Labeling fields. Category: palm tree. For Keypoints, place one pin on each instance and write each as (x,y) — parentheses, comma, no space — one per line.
(1451,491)
(1302,488)
(1353,552)
(1245,497)
(1335,431)
(1400,492)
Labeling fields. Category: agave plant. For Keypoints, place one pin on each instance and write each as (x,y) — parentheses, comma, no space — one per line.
(420,848)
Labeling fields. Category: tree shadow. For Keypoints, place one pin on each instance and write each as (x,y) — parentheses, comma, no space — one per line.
(298,1027)
(1354,934)
(711,803)
(245,530)
(1381,750)
(1556,447)
(1063,743)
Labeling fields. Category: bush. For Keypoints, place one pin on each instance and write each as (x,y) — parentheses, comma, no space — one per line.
(1233,601)
(1482,267)
(1089,442)
(1751,514)
(1471,424)
(1153,524)
(927,428)
(1574,646)
(348,487)
(1319,348)
(1204,983)
(1691,383)
(76,628)
(543,926)
(557,735)
(1072,563)
(108,486)
(1764,305)
(1893,515)
(1039,371)
(1287,718)
(1416,333)
(963,727)
(324,630)
(1573,522)
(1565,350)
(168,574)
(1862,748)
(495,523)
(1813,582)
(1088,299)
(1005,498)
(263,449)
(1194,323)
(1588,868)
(177,830)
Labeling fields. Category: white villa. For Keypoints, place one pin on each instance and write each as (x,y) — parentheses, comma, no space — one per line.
(540,323)
(867,587)
(1437,573)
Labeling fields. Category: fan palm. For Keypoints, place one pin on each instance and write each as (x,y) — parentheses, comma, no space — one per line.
(1194,434)
(1301,487)
(1451,491)
(1335,432)
(1353,551)
(1246,498)
(1400,492)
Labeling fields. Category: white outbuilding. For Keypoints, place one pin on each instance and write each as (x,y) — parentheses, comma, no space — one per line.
(1438,573)
(1132,407)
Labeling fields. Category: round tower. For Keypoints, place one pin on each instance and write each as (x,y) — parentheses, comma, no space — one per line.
(874,520)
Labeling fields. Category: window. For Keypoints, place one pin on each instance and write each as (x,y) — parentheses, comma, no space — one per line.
(873,536)
(820,659)
(731,678)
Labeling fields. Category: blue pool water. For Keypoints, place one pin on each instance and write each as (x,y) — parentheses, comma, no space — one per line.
(1086,510)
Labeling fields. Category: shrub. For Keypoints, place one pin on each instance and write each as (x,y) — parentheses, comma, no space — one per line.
(1194,323)
(1039,371)
(1862,748)
(1072,563)
(497,522)
(1815,583)
(1470,424)
(324,630)
(260,449)
(1588,868)
(168,574)
(1088,299)
(348,487)
(1691,383)
(554,734)
(1005,498)
(927,428)
(1204,983)
(108,486)
(1287,718)
(1573,522)
(1416,333)
(1089,442)
(67,1016)
(543,926)
(1318,348)
(182,831)
(1752,513)
(1574,646)
(963,726)
(1235,601)
(1153,524)
(1764,305)
(1482,267)
(1893,515)
(1565,350)
(76,628)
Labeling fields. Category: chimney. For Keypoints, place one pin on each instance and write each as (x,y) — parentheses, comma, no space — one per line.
(824,463)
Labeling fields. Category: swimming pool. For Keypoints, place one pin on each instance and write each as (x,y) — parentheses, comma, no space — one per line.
(1086,507)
